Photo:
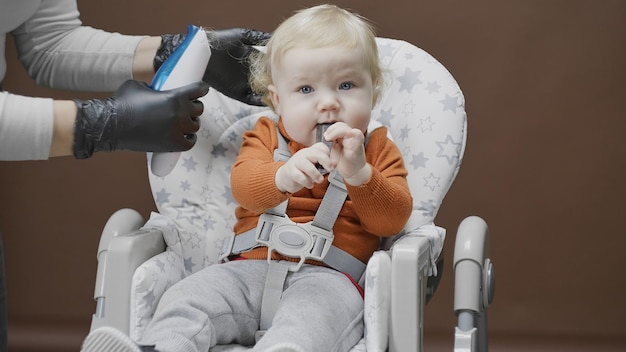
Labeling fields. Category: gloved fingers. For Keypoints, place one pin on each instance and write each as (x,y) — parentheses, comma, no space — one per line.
(190,140)
(194,90)
(254,37)
(241,38)
(197,108)
(184,143)
(130,86)
(191,125)
(255,99)
(221,38)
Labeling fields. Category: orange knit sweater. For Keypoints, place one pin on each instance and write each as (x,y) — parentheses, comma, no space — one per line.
(378,208)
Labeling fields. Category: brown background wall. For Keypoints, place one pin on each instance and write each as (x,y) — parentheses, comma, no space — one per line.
(545,165)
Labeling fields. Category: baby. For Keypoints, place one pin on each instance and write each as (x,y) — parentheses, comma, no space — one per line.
(320,68)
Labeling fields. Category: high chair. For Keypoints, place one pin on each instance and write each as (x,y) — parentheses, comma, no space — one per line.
(423,109)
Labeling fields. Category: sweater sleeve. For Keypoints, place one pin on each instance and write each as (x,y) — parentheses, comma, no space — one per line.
(384,203)
(58,51)
(252,175)
(25,127)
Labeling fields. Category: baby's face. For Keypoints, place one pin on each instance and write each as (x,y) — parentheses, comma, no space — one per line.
(321,85)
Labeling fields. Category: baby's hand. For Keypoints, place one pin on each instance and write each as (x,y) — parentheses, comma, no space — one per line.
(348,153)
(301,171)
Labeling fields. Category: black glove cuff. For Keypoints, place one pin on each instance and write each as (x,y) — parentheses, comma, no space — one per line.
(93,119)
(169,43)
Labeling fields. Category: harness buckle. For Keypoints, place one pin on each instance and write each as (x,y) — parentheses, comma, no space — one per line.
(227,248)
(281,234)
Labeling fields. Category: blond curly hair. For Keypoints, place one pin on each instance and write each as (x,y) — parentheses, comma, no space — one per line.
(315,27)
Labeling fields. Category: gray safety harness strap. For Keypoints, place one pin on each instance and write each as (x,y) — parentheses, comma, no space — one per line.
(325,218)
(272,293)
(320,236)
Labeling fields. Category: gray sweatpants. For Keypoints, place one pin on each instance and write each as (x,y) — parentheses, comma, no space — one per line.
(320,310)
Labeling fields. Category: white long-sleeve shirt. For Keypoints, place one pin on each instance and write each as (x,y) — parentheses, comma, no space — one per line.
(58,52)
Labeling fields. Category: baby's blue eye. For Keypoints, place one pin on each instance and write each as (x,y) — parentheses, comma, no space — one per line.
(306,90)
(346,85)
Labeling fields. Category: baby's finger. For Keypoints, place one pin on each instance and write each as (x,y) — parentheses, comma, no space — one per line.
(335,131)
(335,154)
(306,166)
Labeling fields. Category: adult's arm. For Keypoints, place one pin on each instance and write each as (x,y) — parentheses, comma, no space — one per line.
(59,52)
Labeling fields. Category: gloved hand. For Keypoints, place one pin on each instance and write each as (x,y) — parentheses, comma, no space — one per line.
(228,70)
(138,118)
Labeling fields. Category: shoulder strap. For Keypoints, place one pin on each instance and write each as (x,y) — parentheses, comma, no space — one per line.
(334,197)
(325,218)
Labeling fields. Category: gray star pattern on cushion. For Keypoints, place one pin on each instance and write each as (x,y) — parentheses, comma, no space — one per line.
(206,193)
(150,298)
(432,182)
(409,80)
(189,264)
(205,132)
(174,238)
(208,169)
(385,117)
(185,185)
(194,240)
(243,112)
(427,208)
(232,136)
(449,150)
(209,223)
(433,87)
(218,150)
(408,108)
(404,132)
(217,114)
(189,216)
(161,265)
(221,242)
(418,160)
(228,195)
(162,196)
(426,124)
(172,260)
(450,103)
(189,164)
(406,151)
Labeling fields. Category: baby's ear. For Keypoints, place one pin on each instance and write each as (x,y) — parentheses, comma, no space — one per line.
(274,98)
(378,89)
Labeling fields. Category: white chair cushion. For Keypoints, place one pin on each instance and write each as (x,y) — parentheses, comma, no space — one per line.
(377,301)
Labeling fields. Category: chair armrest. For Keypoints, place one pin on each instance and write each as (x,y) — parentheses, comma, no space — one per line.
(474,284)
(123,247)
(470,251)
(410,260)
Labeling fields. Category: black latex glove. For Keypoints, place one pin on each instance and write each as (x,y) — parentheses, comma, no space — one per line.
(228,70)
(138,118)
